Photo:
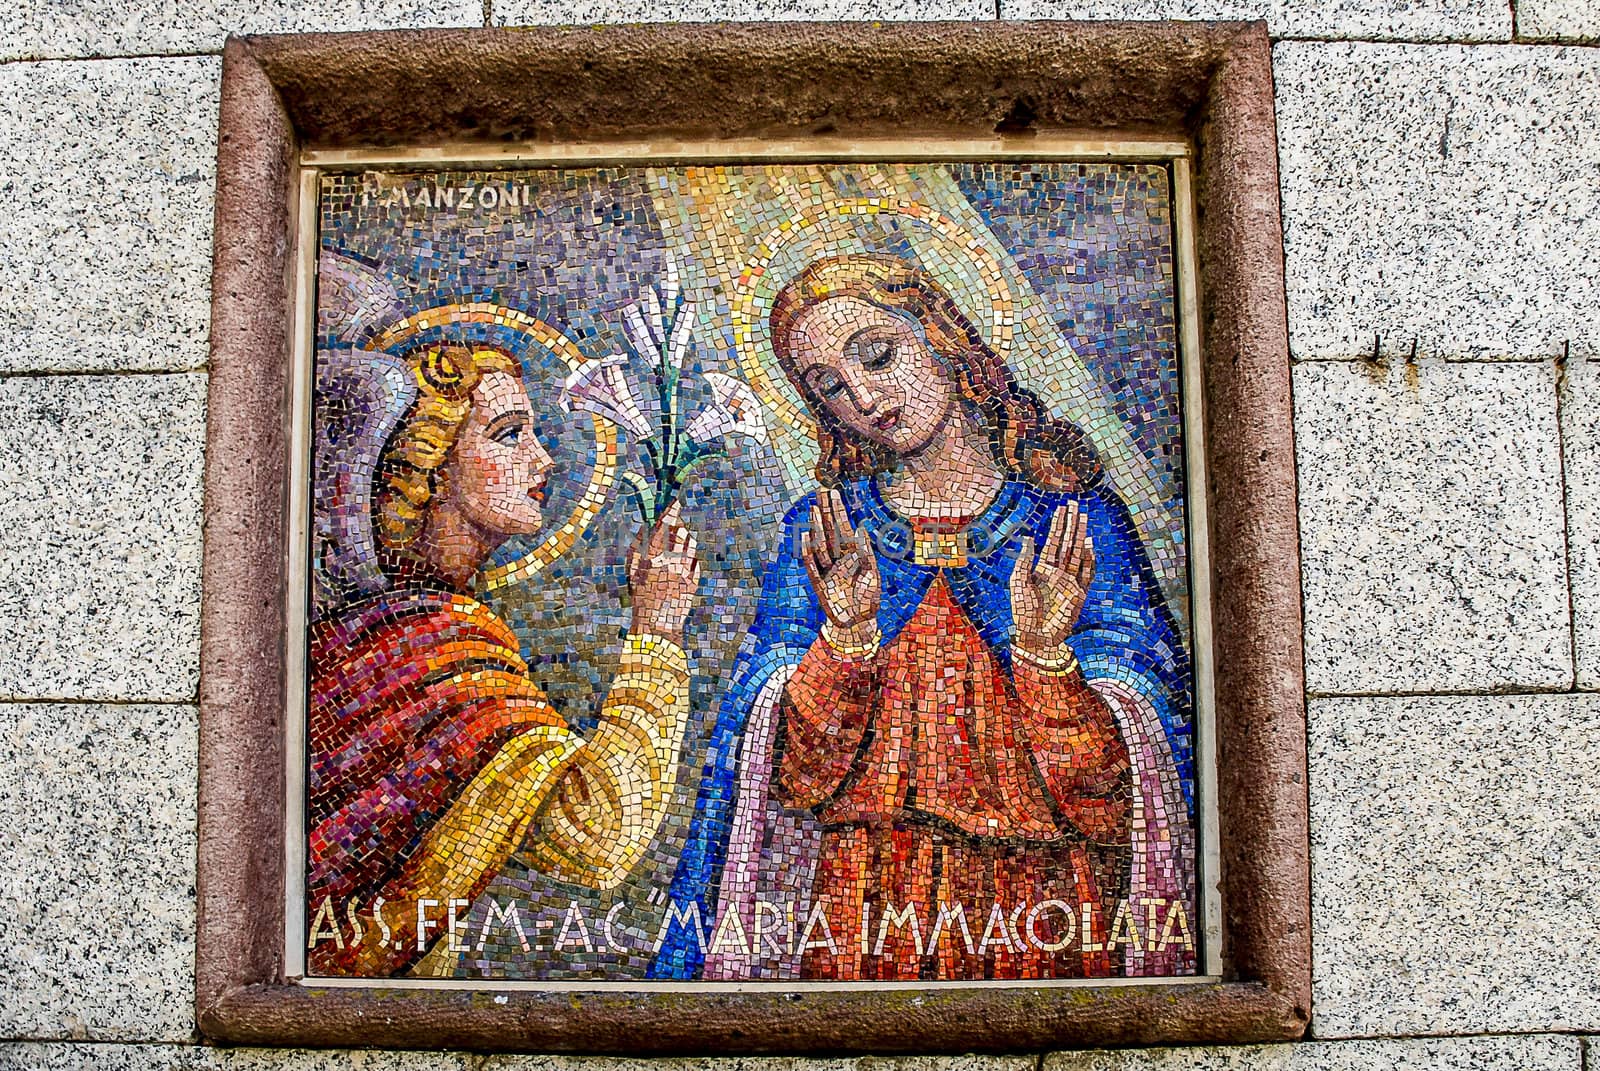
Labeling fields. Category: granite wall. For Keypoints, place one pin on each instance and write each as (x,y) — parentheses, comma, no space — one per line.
(1439,181)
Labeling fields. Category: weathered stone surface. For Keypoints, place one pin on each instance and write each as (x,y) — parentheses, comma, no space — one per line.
(62,29)
(1431,528)
(778,1063)
(1408,20)
(1531,1053)
(1580,430)
(1420,1054)
(100,536)
(1452,863)
(1441,195)
(97,849)
(583,12)
(1558,20)
(66,1057)
(113,1057)
(106,171)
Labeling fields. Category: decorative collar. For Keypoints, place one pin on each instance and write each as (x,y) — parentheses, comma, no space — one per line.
(898,538)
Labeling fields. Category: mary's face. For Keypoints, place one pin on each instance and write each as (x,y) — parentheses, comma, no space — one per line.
(498,468)
(874,371)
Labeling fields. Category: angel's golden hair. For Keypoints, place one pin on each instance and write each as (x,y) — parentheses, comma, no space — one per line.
(408,474)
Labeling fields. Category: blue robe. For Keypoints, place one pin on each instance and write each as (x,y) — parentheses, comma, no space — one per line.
(1125,633)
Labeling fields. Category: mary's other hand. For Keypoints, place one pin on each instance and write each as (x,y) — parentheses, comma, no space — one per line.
(1050,586)
(663,573)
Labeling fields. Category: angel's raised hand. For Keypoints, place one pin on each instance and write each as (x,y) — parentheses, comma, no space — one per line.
(663,573)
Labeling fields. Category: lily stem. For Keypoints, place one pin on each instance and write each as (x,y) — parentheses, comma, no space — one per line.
(683,474)
(667,388)
(636,489)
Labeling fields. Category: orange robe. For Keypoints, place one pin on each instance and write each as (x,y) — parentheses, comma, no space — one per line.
(942,780)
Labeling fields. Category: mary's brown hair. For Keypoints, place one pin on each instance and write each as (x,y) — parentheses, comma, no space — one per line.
(1024,438)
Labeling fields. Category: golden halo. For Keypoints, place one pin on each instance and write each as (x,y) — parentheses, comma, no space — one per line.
(756,287)
(601,479)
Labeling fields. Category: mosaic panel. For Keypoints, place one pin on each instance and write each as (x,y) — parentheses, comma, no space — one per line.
(768,573)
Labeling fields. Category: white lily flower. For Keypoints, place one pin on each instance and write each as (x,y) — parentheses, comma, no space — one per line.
(641,336)
(682,328)
(655,316)
(673,285)
(600,387)
(733,411)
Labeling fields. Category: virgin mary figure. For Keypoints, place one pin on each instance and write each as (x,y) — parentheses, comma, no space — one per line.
(956,745)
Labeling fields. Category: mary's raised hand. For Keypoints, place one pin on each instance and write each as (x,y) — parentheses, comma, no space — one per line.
(1050,586)
(843,572)
(664,572)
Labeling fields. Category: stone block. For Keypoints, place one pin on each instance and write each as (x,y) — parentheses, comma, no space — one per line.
(100,536)
(113,1057)
(969,1062)
(1426,1054)
(585,12)
(1558,20)
(106,171)
(67,29)
(333,1060)
(1440,196)
(97,847)
(1406,20)
(1431,528)
(57,1056)
(1580,431)
(1452,864)
(1418,1054)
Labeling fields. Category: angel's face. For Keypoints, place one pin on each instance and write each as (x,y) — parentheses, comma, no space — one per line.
(498,468)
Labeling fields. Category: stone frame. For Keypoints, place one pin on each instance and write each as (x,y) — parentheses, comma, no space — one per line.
(1207,83)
